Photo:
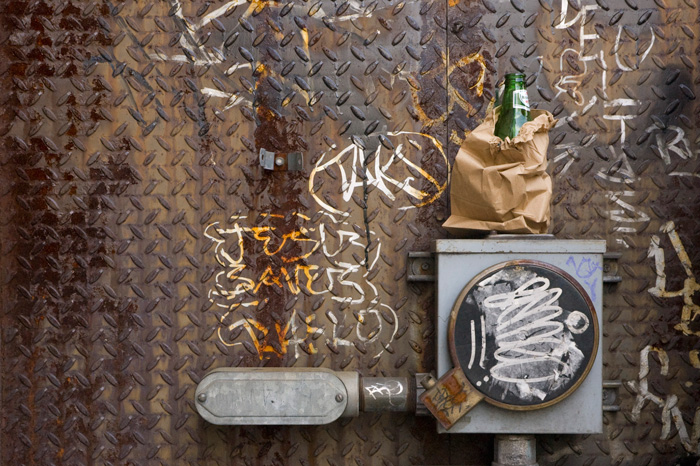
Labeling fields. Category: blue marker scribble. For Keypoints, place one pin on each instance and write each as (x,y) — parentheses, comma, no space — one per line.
(586,270)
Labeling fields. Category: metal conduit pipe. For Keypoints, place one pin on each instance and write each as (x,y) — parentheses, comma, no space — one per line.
(387,394)
(515,450)
(298,396)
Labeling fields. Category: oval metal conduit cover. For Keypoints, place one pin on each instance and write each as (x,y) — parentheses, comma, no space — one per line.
(273,397)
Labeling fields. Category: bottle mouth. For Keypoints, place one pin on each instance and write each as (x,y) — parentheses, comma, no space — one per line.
(515,77)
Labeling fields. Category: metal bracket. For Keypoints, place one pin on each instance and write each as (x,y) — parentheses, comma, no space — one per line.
(421,266)
(610,267)
(293,161)
(267,159)
(611,394)
(421,409)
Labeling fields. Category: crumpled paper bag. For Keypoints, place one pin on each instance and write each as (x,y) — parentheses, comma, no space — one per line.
(502,185)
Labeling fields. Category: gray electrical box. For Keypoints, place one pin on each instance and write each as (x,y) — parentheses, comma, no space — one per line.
(470,269)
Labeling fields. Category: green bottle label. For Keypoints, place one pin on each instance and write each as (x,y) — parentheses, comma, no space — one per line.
(520,100)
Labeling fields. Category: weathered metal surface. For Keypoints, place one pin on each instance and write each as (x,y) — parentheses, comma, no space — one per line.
(143,245)
(451,398)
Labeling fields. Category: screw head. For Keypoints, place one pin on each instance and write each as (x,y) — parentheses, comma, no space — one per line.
(339,398)
(202,397)
(279,161)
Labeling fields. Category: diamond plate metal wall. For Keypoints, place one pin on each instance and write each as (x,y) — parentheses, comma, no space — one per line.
(622,79)
(143,244)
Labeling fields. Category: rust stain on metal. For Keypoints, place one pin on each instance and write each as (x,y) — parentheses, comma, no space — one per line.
(451,398)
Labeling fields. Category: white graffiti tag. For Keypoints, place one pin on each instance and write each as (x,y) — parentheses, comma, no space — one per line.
(670,412)
(390,171)
(690,310)
(534,349)
(385,390)
(290,251)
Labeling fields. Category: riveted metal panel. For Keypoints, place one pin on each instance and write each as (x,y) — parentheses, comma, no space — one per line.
(144,245)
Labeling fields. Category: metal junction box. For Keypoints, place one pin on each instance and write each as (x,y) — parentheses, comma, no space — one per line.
(516,348)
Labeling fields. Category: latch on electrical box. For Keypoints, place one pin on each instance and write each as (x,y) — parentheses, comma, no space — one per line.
(292,161)
(610,267)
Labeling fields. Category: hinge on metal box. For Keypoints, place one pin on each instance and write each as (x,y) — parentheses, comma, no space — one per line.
(421,266)
(610,268)
(292,161)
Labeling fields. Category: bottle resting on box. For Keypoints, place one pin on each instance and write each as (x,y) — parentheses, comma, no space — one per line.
(515,109)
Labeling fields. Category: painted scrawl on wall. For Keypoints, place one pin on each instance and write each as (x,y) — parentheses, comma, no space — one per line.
(328,255)
(649,397)
(310,256)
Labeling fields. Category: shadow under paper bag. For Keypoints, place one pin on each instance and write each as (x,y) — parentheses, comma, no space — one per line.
(502,185)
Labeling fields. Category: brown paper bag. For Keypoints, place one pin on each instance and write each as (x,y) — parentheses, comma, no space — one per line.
(502,185)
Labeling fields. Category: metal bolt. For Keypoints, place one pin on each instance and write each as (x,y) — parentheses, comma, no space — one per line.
(339,398)
(202,397)
(428,382)
(279,161)
(457,27)
(425,266)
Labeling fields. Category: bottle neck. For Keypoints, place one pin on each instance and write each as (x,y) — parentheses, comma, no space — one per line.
(514,81)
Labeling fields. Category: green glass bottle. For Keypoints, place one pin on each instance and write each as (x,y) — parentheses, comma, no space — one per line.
(515,109)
